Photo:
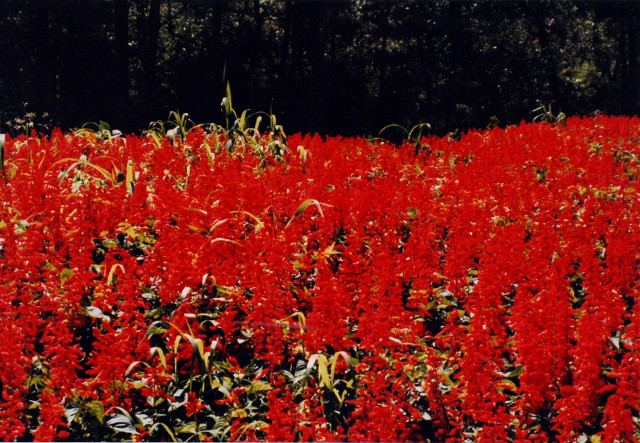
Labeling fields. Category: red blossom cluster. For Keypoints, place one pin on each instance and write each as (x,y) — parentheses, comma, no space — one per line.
(483,288)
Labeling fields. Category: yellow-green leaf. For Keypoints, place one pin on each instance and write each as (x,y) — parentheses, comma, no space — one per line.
(330,250)
(129,177)
(259,224)
(112,271)
(228,105)
(258,386)
(160,353)
(239,413)
(64,275)
(166,428)
(96,409)
(305,204)
(106,174)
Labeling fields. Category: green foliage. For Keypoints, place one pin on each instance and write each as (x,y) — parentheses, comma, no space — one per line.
(102,130)
(413,135)
(243,134)
(29,122)
(544,113)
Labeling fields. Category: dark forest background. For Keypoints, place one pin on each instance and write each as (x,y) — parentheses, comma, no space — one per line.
(332,67)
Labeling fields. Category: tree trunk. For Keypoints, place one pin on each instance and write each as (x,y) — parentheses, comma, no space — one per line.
(630,82)
(121,18)
(150,54)
(548,58)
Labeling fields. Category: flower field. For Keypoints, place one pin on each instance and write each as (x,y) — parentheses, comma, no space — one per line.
(211,285)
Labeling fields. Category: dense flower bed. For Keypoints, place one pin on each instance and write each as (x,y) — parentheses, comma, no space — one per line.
(479,289)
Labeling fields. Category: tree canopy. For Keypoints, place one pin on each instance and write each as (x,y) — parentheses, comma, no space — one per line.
(333,67)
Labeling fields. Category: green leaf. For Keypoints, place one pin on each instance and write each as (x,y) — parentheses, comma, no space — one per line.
(302,320)
(161,356)
(65,275)
(339,396)
(198,353)
(418,129)
(166,428)
(122,422)
(258,386)
(305,204)
(71,412)
(516,372)
(133,365)
(393,125)
(220,239)
(228,106)
(242,122)
(96,409)
(330,250)
(189,428)
(259,224)
(129,177)
(106,174)
(197,346)
(334,362)
(112,271)
(323,371)
(95,312)
(302,152)
(157,327)
(507,384)
(172,133)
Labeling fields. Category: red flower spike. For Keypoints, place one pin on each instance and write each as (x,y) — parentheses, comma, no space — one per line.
(482,288)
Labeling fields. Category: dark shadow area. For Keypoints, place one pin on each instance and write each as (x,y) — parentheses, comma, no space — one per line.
(332,67)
